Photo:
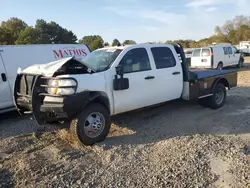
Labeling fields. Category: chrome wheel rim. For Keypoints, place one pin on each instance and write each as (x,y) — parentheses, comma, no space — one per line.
(94,124)
(219,96)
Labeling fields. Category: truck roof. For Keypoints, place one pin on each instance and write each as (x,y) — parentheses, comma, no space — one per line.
(139,45)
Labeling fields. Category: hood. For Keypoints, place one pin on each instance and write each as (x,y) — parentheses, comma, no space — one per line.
(50,68)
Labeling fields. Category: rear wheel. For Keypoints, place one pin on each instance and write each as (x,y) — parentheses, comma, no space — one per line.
(217,100)
(220,66)
(91,125)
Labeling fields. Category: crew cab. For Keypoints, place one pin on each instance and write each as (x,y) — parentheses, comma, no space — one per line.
(114,80)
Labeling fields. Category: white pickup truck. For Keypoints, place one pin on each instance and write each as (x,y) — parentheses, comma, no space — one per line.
(114,80)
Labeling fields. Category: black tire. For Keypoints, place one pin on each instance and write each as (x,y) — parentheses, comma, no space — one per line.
(204,102)
(213,101)
(77,125)
(220,66)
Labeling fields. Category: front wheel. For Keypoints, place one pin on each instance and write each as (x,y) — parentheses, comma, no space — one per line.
(217,100)
(91,125)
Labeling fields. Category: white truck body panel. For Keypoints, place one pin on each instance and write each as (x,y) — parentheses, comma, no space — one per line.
(210,57)
(13,57)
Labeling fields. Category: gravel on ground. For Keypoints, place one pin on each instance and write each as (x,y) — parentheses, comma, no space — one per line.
(180,144)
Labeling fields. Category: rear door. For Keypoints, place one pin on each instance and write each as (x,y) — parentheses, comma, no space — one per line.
(5,92)
(236,56)
(201,58)
(168,74)
(228,56)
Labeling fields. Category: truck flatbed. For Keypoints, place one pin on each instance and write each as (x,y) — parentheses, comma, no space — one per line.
(210,73)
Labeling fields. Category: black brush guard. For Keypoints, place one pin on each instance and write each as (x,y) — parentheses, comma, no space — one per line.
(29,94)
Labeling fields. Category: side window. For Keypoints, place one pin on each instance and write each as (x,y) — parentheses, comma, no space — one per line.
(225,50)
(234,50)
(163,57)
(136,60)
(196,53)
(230,50)
(205,52)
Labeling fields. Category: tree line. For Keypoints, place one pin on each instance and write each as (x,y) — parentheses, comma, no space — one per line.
(16,31)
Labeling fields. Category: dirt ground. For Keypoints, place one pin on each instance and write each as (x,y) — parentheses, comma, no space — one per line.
(179,144)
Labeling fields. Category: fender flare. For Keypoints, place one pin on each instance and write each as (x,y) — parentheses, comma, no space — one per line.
(99,96)
(220,80)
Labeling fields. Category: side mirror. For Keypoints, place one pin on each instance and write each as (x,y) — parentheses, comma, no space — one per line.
(120,83)
(119,70)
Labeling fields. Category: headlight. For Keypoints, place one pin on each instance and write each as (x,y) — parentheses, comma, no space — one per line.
(62,87)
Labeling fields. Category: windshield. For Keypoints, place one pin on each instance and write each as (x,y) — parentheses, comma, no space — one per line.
(100,60)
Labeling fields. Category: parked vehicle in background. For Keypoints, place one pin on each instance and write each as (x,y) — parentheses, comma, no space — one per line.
(244,47)
(115,80)
(14,56)
(188,55)
(216,57)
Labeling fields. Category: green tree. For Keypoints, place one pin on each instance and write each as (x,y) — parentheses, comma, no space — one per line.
(93,41)
(242,33)
(128,42)
(89,39)
(116,42)
(106,44)
(53,33)
(98,43)
(28,36)
(11,30)
(234,30)
(6,38)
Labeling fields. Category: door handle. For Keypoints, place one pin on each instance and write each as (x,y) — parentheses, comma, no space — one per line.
(149,77)
(4,78)
(175,73)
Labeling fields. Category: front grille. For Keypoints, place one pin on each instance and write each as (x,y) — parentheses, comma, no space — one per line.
(26,84)
(23,91)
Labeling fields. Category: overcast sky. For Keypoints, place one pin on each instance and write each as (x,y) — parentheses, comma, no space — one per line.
(139,20)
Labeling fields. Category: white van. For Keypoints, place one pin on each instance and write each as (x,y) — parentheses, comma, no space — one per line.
(13,57)
(216,57)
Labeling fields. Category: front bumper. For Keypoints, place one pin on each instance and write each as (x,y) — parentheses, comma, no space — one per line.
(63,108)
(30,97)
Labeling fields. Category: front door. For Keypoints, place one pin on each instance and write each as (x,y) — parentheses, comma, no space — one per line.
(236,56)
(228,56)
(5,92)
(138,69)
